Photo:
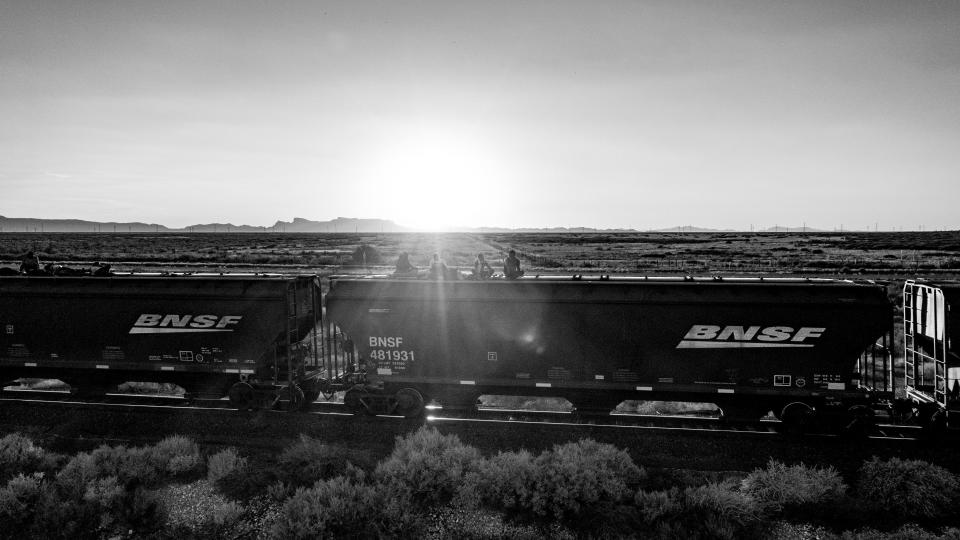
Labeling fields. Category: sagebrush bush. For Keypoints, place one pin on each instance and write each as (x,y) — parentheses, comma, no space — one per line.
(72,480)
(723,504)
(224,462)
(908,489)
(716,510)
(572,479)
(18,501)
(657,506)
(344,508)
(427,465)
(131,466)
(907,532)
(309,460)
(224,521)
(18,454)
(504,482)
(246,484)
(780,485)
(104,492)
(177,455)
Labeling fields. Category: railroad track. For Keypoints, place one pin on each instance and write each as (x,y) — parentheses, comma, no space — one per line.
(510,418)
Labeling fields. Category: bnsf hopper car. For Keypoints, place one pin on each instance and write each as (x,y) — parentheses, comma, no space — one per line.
(250,336)
(748,345)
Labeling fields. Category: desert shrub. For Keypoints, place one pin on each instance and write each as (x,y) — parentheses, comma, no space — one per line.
(131,466)
(723,508)
(18,500)
(710,511)
(104,492)
(907,489)
(657,506)
(72,480)
(343,507)
(309,460)
(907,532)
(82,505)
(59,518)
(18,454)
(248,483)
(140,512)
(481,524)
(224,521)
(177,455)
(571,480)
(581,485)
(427,465)
(779,485)
(223,463)
(504,482)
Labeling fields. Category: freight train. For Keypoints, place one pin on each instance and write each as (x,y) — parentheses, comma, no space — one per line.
(803,349)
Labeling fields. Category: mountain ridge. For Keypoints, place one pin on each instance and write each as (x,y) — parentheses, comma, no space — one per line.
(337,225)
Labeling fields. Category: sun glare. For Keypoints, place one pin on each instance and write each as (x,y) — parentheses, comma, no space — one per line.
(438,180)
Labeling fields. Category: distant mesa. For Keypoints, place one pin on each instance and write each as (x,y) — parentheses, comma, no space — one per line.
(338,225)
(341,224)
(691,229)
(75,225)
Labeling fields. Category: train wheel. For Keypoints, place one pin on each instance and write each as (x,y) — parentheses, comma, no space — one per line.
(409,403)
(242,396)
(796,417)
(296,400)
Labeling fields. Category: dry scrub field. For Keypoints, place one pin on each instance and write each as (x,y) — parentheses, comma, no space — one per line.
(883,255)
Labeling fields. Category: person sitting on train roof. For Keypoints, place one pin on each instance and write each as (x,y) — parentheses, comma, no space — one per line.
(481,268)
(438,269)
(403,264)
(511,266)
(30,263)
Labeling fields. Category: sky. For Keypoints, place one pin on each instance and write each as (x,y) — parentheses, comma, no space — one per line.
(609,114)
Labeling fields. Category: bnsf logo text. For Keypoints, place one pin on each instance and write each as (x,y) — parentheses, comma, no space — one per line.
(708,336)
(153,323)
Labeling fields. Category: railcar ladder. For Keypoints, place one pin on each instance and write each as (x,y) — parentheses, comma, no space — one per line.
(292,332)
(923,342)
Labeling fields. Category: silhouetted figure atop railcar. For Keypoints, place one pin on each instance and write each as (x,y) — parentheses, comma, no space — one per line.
(403,264)
(30,264)
(511,266)
(103,270)
(481,268)
(438,268)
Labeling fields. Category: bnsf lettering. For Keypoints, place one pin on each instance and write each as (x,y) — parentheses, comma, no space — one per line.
(186,321)
(377,341)
(752,333)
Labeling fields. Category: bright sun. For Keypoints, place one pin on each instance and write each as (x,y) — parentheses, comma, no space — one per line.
(435,180)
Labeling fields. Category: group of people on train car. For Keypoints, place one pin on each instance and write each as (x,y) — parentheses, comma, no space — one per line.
(438,268)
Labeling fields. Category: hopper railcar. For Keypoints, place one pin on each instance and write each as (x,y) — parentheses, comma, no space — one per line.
(749,345)
(249,336)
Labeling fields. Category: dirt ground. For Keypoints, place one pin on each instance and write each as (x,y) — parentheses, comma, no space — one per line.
(883,255)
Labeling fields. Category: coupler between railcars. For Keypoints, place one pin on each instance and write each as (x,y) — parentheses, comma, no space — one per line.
(252,395)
